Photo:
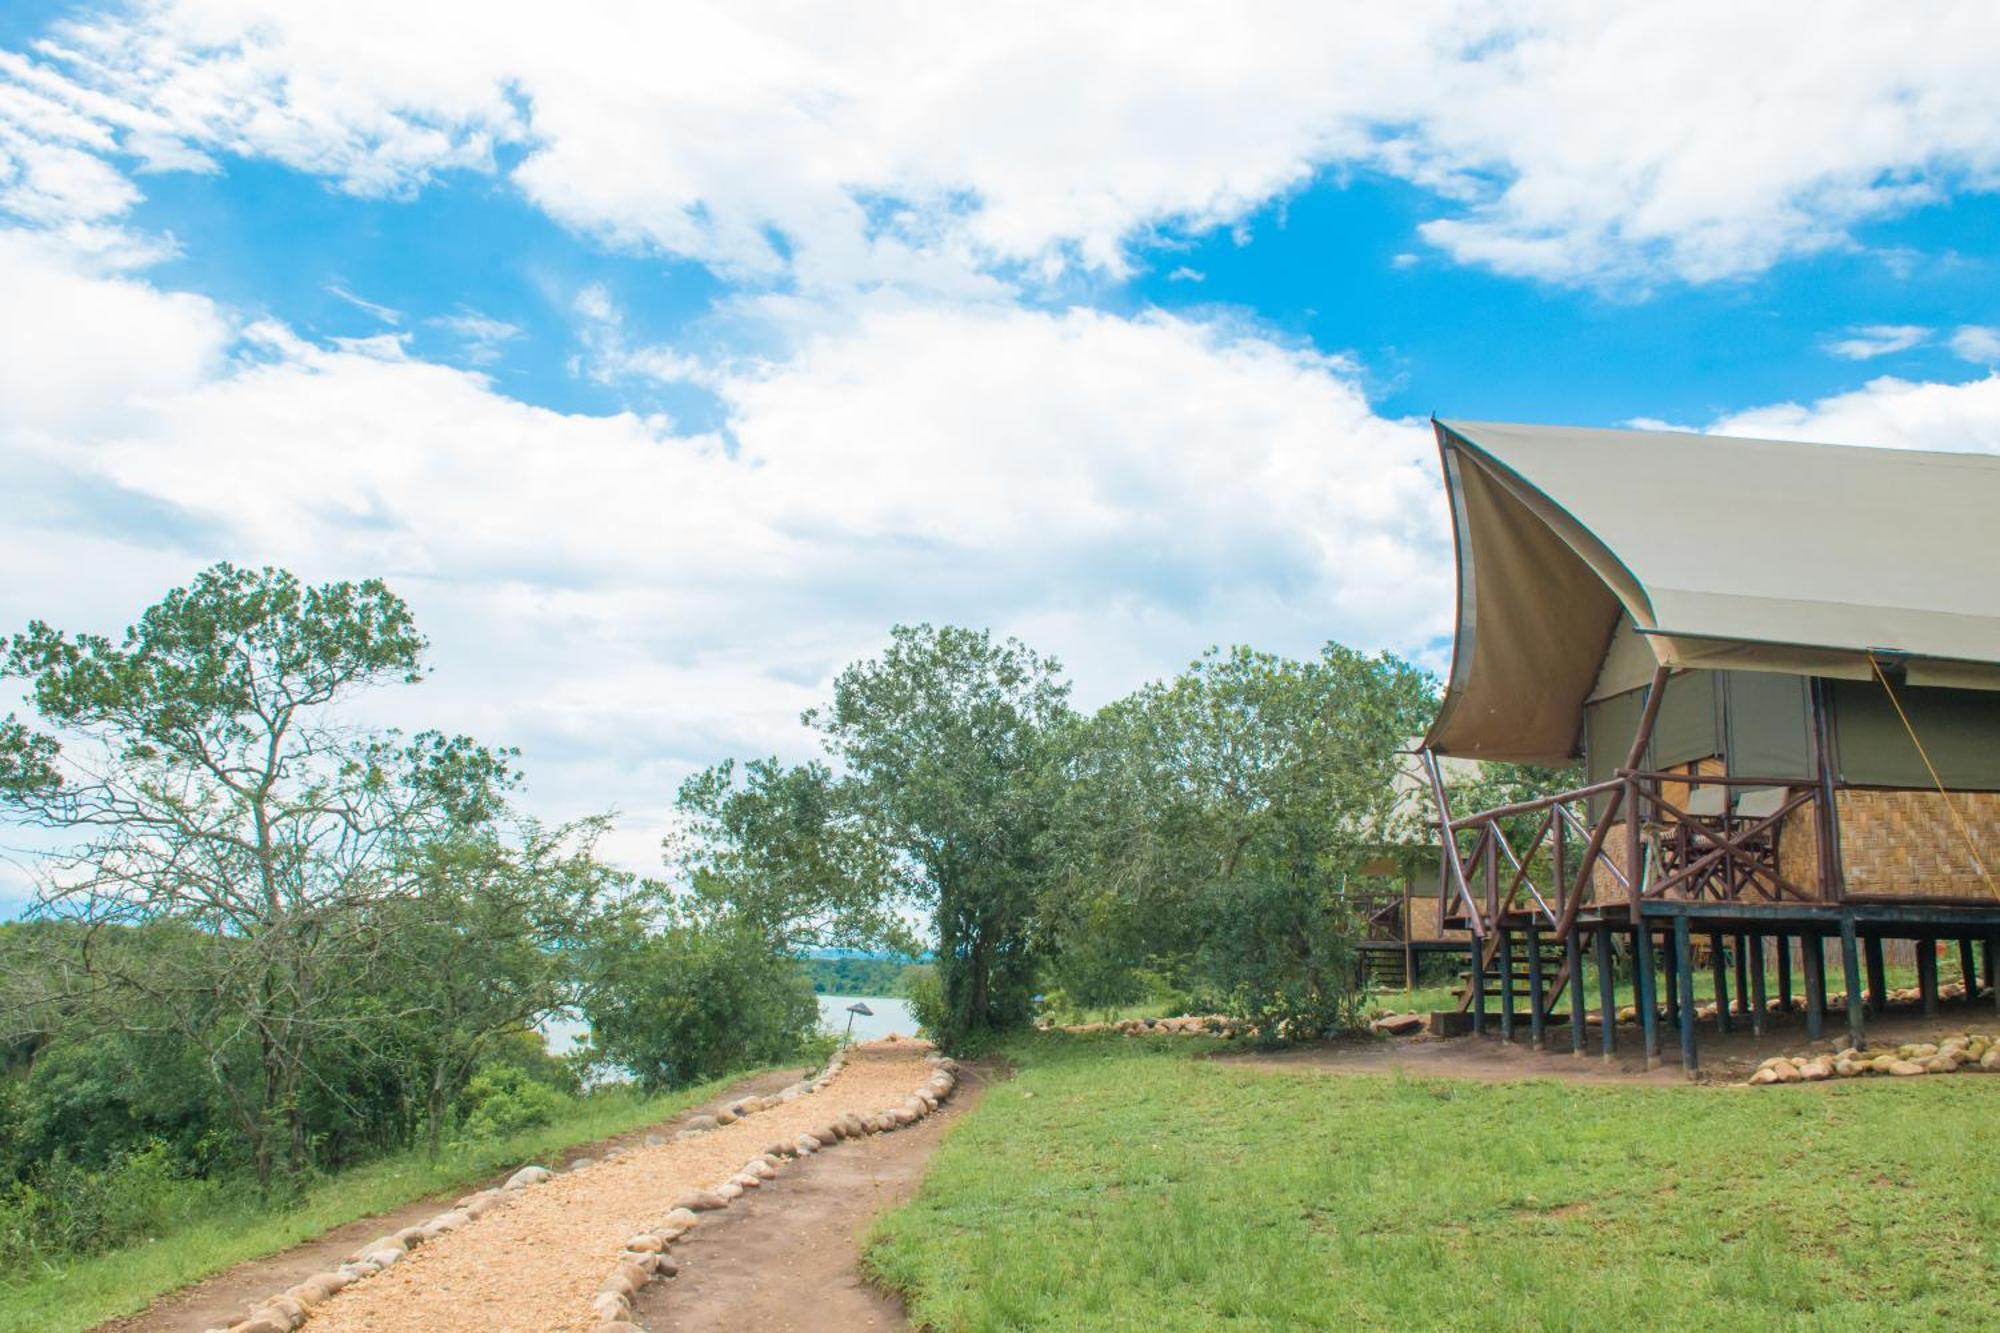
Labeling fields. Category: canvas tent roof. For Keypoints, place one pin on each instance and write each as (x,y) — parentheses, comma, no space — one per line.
(1746,555)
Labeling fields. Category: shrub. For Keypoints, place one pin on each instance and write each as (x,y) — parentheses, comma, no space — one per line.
(59,1210)
(503,1098)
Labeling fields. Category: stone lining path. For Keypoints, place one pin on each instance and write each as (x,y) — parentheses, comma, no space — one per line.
(535,1263)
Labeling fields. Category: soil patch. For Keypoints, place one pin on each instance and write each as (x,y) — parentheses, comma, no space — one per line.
(789,1258)
(226,1297)
(1725,1057)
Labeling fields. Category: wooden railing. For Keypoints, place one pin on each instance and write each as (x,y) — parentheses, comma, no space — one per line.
(1668,851)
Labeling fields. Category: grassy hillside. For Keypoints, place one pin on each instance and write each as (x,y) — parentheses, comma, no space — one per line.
(1127,1183)
(81,1295)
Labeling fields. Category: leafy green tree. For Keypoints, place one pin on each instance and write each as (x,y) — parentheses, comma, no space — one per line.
(1219,816)
(205,775)
(488,943)
(947,738)
(789,850)
(675,997)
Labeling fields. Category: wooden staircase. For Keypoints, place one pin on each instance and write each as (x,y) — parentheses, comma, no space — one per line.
(1554,974)
(1385,968)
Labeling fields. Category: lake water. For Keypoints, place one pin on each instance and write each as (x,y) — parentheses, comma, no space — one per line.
(562,1034)
(889,1016)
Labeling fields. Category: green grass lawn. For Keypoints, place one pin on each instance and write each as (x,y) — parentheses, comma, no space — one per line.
(83,1294)
(1126,1183)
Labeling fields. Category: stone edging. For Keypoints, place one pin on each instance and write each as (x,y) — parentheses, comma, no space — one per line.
(646,1257)
(1186,1025)
(285,1311)
(1967,1050)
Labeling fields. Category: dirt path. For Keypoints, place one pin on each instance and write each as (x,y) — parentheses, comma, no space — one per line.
(1725,1058)
(534,1264)
(789,1259)
(223,1298)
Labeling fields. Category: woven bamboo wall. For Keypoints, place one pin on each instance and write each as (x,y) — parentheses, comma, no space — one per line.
(1424,921)
(1906,843)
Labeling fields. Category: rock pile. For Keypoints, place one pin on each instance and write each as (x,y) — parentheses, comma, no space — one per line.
(1967,1051)
(647,1253)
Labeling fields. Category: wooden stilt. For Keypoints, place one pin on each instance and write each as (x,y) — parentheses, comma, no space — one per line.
(1927,983)
(1573,955)
(1670,985)
(1814,958)
(1506,984)
(1475,977)
(1784,974)
(1967,973)
(1742,974)
(1718,963)
(1992,962)
(1759,1009)
(1647,996)
(1607,995)
(1538,1009)
(1684,970)
(1878,984)
(1850,967)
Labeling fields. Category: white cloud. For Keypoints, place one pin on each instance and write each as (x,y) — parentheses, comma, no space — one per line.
(1886,412)
(1864,342)
(923,146)
(387,314)
(627,602)
(1977,343)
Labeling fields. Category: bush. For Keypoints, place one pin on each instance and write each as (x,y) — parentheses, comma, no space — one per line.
(59,1210)
(925,992)
(697,1000)
(503,1098)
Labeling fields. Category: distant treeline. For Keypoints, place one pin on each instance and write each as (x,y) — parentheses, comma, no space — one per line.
(857,976)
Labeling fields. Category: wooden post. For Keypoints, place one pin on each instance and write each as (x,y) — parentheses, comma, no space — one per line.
(1967,973)
(1784,974)
(1993,962)
(1684,969)
(1742,973)
(1475,978)
(1759,1009)
(1815,982)
(1850,966)
(1646,993)
(1409,944)
(1670,986)
(1607,994)
(1878,981)
(1573,956)
(1927,985)
(1718,963)
(1506,984)
(1537,1009)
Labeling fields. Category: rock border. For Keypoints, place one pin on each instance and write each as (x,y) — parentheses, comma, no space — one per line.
(1966,1051)
(284,1311)
(647,1256)
(1184,1025)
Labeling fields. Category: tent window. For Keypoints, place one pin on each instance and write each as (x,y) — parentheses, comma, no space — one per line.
(1608,727)
(1960,730)
(1770,725)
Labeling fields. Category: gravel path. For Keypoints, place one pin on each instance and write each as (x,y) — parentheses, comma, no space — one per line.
(535,1263)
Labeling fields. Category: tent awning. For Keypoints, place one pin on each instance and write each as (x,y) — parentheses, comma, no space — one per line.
(1744,555)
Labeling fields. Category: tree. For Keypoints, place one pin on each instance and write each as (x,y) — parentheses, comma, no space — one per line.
(208,781)
(1227,809)
(677,996)
(488,944)
(789,851)
(947,737)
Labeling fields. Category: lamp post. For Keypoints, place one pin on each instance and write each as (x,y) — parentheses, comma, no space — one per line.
(852,1010)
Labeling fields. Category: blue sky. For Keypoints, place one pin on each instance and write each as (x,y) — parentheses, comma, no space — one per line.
(664,356)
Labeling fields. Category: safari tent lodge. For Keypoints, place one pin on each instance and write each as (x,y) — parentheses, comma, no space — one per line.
(1779,664)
